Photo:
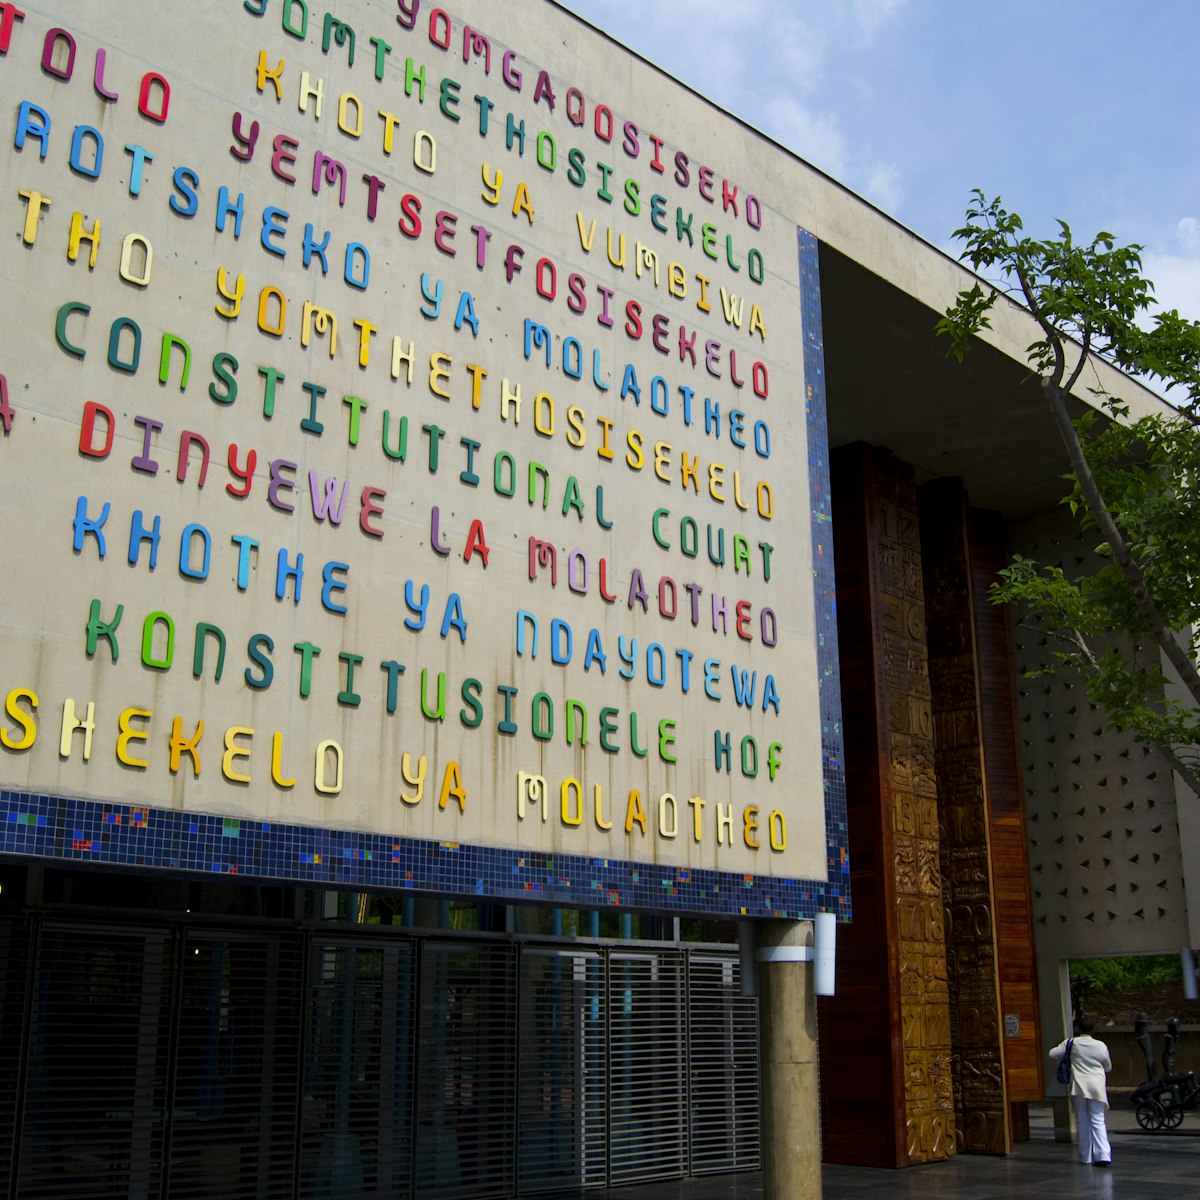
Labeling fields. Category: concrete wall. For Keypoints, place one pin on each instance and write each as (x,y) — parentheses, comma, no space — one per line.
(1106,852)
(470,343)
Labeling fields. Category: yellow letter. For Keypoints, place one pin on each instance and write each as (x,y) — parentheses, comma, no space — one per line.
(71,722)
(750,825)
(522,204)
(181,745)
(329,789)
(129,734)
(634,811)
(233,752)
(601,823)
(452,786)
(491,187)
(417,781)
(778,830)
(530,787)
(277,762)
(24,720)
(571,802)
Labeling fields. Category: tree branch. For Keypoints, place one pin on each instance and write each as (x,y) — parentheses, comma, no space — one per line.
(1068,387)
(1052,334)
(1111,532)
(1184,770)
(1084,648)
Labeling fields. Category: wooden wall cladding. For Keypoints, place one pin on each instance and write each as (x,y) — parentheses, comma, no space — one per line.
(981,1110)
(886,1085)
(1005,792)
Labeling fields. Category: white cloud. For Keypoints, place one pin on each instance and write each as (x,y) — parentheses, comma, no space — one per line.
(770,63)
(1176,279)
(871,14)
(789,55)
(814,136)
(1175,272)
(818,138)
(883,187)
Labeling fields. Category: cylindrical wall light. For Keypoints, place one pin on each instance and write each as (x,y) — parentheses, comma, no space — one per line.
(824,950)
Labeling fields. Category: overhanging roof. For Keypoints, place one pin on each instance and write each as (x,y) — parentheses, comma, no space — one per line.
(889,382)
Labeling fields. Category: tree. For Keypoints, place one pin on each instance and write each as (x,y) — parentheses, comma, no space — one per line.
(1135,483)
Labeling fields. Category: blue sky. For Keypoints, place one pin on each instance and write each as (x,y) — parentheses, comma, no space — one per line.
(1087,110)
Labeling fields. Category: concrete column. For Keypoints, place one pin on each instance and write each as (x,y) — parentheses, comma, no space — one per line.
(1054,983)
(788,1033)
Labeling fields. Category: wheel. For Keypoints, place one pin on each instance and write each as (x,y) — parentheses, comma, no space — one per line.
(1172,1117)
(1150,1114)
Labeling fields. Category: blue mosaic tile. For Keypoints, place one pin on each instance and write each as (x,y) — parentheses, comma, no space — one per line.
(836,895)
(49,827)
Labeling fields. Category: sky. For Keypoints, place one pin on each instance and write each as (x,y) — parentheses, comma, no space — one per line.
(1084,110)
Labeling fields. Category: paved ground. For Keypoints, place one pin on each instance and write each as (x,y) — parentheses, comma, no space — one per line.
(1146,1166)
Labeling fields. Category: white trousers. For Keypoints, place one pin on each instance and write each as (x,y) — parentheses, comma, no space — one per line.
(1091,1130)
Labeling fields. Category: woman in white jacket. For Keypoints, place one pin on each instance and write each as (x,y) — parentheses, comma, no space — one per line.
(1090,1064)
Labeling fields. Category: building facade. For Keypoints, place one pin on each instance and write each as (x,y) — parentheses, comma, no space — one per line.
(434,441)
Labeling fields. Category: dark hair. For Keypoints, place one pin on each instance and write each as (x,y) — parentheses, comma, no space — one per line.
(1084,1026)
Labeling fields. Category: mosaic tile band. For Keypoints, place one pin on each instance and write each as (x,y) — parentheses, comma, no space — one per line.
(87,831)
(824,585)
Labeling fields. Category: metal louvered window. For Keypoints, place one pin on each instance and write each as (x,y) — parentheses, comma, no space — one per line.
(723,1048)
(14,978)
(647,1067)
(95,1099)
(184,1062)
(466,1052)
(232,1116)
(356,1105)
(562,1102)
